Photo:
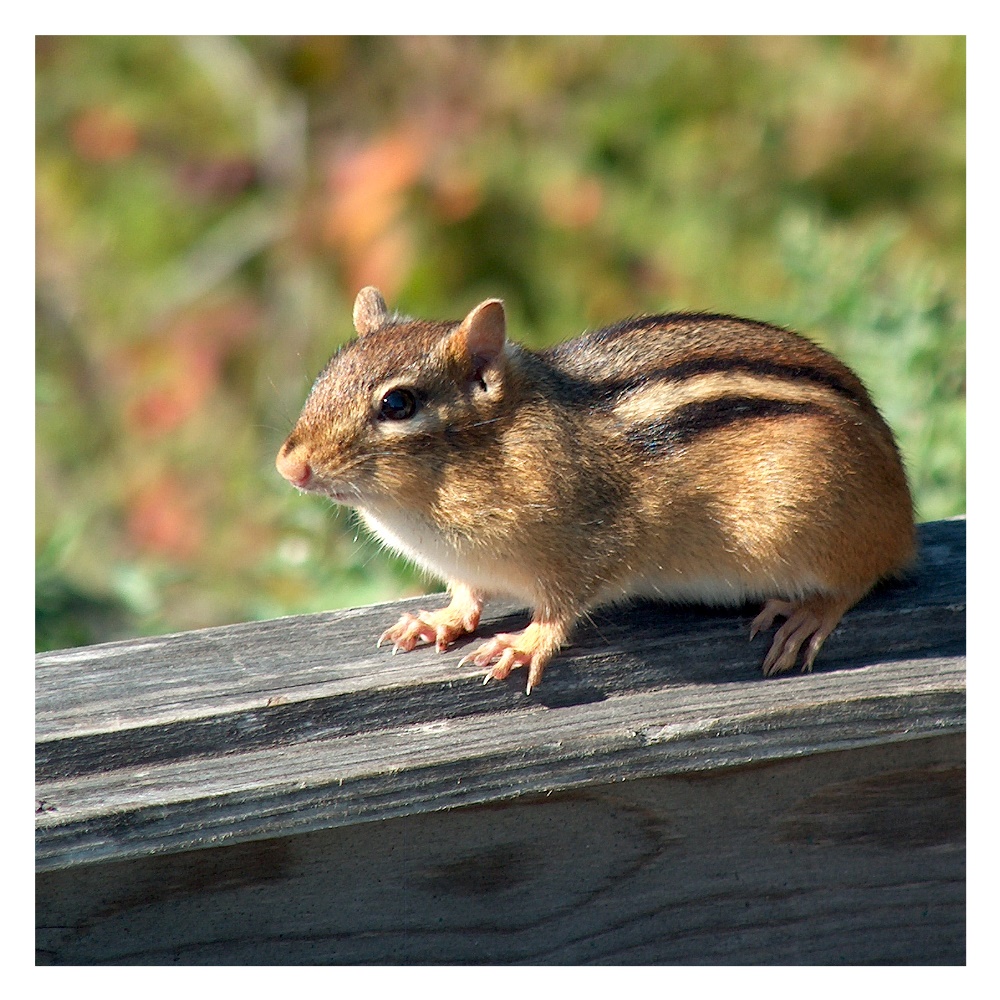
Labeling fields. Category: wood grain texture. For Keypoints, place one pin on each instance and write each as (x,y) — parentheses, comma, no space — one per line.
(295,772)
(846,857)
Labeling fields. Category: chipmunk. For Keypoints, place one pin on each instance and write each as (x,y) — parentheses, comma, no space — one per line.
(690,457)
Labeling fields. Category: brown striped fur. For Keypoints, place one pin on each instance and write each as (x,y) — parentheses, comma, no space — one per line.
(695,457)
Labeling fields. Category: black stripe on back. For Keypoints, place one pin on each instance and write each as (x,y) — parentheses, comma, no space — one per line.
(607,390)
(607,393)
(682,425)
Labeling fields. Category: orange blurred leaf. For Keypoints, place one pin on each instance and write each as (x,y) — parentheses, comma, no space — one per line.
(366,195)
(164,519)
(575,203)
(104,135)
(173,375)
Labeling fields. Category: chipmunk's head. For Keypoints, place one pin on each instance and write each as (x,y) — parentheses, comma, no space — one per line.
(396,404)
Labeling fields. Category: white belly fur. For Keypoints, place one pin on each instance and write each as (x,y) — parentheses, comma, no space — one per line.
(418,541)
(421,543)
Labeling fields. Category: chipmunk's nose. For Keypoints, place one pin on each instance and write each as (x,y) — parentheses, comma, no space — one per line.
(292,463)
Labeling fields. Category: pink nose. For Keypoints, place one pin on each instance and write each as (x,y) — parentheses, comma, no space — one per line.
(291,463)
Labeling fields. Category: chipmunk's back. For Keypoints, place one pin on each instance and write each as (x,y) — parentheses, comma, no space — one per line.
(755,457)
(723,353)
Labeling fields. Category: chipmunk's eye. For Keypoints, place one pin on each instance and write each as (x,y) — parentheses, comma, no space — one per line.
(399,404)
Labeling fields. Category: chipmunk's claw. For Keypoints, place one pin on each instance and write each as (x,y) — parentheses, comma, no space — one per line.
(533,647)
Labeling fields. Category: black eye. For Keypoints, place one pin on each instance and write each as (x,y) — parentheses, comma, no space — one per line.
(399,404)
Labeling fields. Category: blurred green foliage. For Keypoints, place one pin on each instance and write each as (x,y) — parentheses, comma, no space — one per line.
(208,207)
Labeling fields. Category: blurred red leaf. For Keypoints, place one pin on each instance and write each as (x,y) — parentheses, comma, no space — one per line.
(457,194)
(104,135)
(366,195)
(174,374)
(164,519)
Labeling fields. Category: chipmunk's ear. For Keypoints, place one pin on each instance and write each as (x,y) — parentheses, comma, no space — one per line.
(482,334)
(370,312)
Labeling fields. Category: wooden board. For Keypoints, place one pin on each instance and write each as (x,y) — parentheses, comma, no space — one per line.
(201,763)
(847,857)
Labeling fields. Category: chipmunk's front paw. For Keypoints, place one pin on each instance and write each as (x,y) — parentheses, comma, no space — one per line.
(533,648)
(441,628)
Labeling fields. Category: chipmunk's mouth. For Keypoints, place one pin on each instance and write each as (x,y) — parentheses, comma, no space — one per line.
(304,478)
(341,498)
(348,496)
(295,464)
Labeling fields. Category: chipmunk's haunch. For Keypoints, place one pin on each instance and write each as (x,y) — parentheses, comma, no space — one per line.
(690,457)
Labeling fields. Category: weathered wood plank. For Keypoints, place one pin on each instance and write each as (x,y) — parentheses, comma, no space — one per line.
(217,672)
(257,730)
(394,771)
(846,857)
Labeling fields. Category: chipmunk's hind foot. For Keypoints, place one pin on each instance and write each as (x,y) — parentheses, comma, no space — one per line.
(807,622)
